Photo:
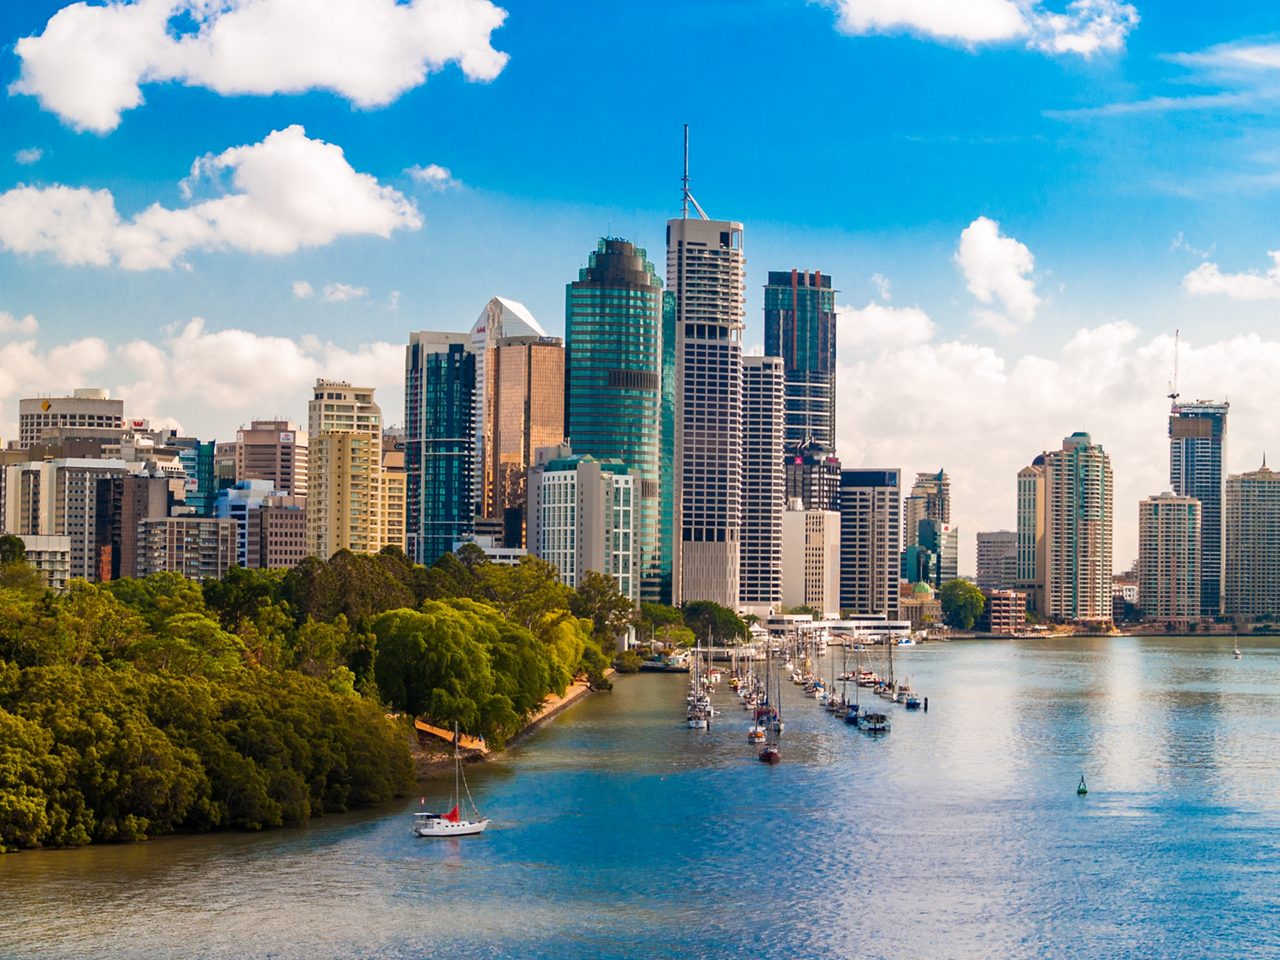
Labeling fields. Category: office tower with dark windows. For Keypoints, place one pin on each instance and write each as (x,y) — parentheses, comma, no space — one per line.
(760,584)
(800,327)
(812,476)
(439,445)
(1197,455)
(706,274)
(614,386)
(870,531)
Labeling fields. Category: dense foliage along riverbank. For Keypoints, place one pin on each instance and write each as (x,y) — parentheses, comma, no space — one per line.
(142,707)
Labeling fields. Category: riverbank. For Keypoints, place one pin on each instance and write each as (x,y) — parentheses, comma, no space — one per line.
(431,755)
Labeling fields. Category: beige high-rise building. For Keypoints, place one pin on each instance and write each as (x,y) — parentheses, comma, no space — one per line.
(1252,536)
(394,496)
(88,414)
(1169,530)
(1064,522)
(273,450)
(706,274)
(582,517)
(1031,514)
(811,558)
(344,470)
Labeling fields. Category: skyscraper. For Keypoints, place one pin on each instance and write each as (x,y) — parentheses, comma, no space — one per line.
(1077,516)
(760,582)
(1251,587)
(931,541)
(929,499)
(525,405)
(439,390)
(1197,455)
(706,273)
(800,327)
(1031,521)
(613,385)
(1169,558)
(997,559)
(870,528)
(812,475)
(501,320)
(344,476)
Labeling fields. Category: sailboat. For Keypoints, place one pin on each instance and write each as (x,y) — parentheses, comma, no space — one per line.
(771,754)
(451,824)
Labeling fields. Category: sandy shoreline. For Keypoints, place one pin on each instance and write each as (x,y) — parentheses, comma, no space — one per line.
(429,760)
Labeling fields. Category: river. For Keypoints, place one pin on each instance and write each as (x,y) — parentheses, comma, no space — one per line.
(617,832)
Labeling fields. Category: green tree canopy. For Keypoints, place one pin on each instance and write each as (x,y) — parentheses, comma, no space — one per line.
(962,603)
(598,599)
(712,623)
(12,549)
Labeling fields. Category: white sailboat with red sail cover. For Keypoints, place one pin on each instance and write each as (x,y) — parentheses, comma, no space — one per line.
(451,824)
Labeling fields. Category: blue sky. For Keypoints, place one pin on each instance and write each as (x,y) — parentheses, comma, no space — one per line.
(864,146)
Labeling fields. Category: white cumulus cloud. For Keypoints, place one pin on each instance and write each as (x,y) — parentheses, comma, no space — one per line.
(272,197)
(878,326)
(22,325)
(342,292)
(303,290)
(1208,279)
(983,414)
(28,156)
(998,272)
(434,176)
(90,62)
(1082,27)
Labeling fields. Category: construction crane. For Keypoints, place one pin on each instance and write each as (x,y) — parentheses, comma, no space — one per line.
(1173,384)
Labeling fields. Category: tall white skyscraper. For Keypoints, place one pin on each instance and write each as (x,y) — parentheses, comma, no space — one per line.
(706,275)
(763,481)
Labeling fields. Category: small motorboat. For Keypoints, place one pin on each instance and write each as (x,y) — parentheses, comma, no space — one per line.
(756,733)
(873,723)
(770,755)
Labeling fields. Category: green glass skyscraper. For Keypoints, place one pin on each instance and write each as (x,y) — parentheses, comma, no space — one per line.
(800,327)
(614,389)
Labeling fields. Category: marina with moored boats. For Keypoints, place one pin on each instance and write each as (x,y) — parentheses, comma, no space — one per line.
(840,677)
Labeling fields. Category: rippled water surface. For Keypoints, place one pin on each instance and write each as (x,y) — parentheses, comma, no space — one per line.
(619,833)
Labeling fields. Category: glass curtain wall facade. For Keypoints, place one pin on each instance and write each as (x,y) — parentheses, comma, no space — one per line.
(1197,453)
(615,397)
(440,381)
(800,327)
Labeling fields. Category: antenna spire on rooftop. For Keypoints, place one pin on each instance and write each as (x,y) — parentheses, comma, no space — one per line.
(686,196)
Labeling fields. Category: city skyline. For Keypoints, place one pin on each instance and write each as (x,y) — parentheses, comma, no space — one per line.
(1092,278)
